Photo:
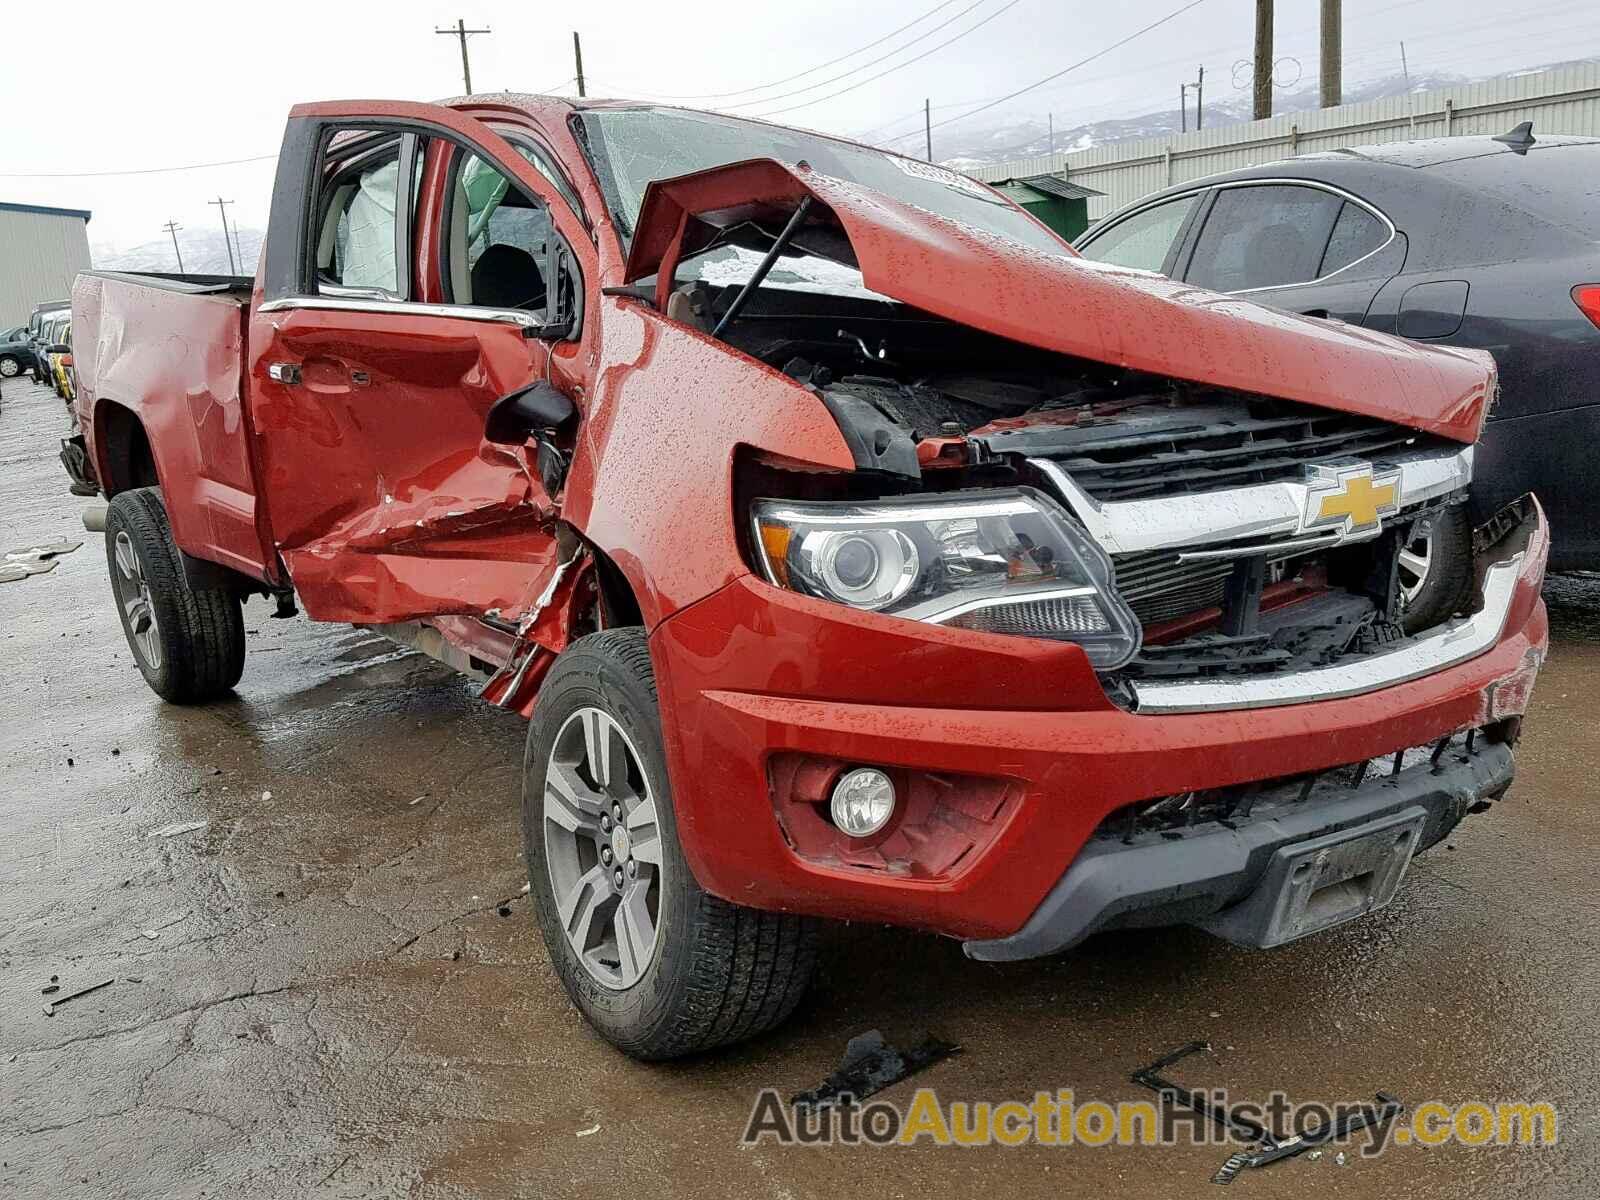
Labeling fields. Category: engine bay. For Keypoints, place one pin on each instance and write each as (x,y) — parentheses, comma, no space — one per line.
(927,405)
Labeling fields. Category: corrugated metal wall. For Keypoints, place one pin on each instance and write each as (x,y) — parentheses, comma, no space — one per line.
(40,254)
(1564,101)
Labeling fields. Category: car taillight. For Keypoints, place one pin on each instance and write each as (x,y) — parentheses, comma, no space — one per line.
(1587,297)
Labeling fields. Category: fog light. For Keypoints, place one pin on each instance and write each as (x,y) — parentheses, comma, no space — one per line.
(863,801)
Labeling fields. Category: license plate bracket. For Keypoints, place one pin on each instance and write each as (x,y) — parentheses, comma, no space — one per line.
(1324,881)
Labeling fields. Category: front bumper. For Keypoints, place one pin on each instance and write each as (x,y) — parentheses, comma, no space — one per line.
(760,686)
(1219,875)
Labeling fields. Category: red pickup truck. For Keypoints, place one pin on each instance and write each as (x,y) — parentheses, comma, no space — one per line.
(855,548)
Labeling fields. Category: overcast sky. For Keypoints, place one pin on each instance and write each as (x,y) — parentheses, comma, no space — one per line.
(121,87)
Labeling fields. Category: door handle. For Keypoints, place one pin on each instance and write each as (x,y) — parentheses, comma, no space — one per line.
(284,373)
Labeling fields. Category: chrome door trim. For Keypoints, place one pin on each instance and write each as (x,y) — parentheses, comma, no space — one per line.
(1257,511)
(364,304)
(1449,644)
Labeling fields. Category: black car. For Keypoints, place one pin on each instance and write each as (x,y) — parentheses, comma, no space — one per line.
(1468,241)
(16,356)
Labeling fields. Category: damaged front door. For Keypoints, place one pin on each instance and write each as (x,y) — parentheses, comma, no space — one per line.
(420,286)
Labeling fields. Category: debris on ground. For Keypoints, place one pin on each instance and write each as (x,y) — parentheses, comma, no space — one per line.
(34,560)
(169,831)
(50,1009)
(595,1128)
(869,1065)
(1263,1146)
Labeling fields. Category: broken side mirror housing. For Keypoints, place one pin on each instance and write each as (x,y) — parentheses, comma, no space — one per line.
(519,415)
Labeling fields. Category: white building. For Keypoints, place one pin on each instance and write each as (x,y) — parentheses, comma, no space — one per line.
(41,251)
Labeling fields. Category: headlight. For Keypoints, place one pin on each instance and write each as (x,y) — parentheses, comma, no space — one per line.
(1005,562)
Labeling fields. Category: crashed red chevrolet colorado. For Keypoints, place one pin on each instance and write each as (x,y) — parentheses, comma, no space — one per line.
(855,548)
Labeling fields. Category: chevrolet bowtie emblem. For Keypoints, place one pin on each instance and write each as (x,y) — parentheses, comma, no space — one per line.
(1349,497)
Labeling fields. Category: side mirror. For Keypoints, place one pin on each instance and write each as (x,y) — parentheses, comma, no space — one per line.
(60,348)
(518,415)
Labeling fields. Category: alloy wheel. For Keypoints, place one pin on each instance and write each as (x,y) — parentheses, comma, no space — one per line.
(603,848)
(9,367)
(1416,560)
(133,594)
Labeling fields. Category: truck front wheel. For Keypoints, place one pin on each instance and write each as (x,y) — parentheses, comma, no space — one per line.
(659,967)
(187,642)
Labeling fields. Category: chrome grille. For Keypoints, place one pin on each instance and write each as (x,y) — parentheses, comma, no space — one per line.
(1241,450)
(1159,588)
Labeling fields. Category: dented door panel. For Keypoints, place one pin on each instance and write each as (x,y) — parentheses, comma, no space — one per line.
(386,502)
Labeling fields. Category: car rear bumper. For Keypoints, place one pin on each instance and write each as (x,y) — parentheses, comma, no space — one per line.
(1220,876)
(1006,752)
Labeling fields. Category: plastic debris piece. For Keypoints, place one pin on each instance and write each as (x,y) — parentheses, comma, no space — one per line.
(50,1009)
(595,1128)
(167,831)
(34,560)
(871,1064)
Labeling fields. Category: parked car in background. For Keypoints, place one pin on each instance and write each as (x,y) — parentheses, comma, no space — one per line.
(38,341)
(54,345)
(15,354)
(61,361)
(934,576)
(1465,241)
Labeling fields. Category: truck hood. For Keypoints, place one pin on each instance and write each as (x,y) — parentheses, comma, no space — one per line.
(1065,303)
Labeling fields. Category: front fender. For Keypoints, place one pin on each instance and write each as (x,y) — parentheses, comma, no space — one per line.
(651,482)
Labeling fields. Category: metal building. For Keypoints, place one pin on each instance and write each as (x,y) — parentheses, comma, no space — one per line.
(1564,100)
(41,252)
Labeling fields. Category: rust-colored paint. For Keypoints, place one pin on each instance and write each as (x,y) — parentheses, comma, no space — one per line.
(173,361)
(371,486)
(1089,309)
(754,672)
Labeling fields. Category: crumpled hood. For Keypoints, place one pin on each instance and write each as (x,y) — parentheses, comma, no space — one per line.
(1072,305)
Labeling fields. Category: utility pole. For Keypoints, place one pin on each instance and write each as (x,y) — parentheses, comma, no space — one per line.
(1262,107)
(1332,40)
(172,227)
(577,59)
(927,125)
(1183,102)
(461,31)
(1051,117)
(222,207)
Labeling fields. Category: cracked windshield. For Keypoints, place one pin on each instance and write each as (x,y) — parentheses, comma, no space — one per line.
(632,147)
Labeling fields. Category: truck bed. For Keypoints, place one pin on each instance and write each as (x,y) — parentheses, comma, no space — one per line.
(160,361)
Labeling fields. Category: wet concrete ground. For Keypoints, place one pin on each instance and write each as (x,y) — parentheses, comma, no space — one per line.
(333,1004)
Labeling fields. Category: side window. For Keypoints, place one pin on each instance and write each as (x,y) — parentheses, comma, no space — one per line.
(1144,239)
(1356,234)
(498,240)
(363,227)
(1263,236)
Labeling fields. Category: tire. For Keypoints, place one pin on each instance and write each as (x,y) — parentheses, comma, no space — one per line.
(10,366)
(188,643)
(1436,570)
(714,972)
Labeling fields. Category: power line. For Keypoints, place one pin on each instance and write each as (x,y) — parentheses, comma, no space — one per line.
(761,87)
(811,87)
(898,66)
(229,162)
(1156,24)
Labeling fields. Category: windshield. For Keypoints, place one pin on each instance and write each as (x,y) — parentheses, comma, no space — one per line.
(629,148)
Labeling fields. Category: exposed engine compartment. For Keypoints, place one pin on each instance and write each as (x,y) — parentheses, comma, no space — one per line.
(929,405)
